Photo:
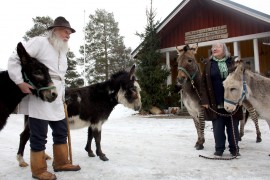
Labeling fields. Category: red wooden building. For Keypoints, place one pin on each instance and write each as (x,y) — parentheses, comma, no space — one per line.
(245,31)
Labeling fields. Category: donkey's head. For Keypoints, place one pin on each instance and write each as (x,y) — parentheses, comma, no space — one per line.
(187,65)
(36,74)
(129,89)
(235,88)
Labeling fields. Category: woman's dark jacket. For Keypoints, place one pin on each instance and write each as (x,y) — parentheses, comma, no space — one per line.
(212,93)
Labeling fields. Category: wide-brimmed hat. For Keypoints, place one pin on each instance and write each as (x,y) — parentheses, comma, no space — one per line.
(61,22)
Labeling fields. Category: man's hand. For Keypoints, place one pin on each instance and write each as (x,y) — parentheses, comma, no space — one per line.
(25,87)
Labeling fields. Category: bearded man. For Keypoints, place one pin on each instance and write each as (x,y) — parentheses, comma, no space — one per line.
(51,51)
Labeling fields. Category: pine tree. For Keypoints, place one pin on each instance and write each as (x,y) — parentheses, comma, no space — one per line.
(105,52)
(151,72)
(72,78)
(41,24)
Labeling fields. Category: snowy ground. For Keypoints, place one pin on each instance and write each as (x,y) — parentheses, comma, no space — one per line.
(144,148)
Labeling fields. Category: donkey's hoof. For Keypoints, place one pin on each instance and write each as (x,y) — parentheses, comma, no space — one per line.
(199,147)
(258,140)
(91,154)
(103,158)
(23,164)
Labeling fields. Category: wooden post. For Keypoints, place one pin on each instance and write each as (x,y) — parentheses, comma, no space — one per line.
(69,139)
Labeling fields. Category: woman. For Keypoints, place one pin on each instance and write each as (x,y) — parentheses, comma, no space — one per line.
(212,91)
(51,51)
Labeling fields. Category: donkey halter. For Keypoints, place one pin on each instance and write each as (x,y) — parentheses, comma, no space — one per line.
(37,89)
(189,76)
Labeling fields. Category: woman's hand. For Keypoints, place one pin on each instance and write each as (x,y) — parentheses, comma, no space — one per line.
(205,106)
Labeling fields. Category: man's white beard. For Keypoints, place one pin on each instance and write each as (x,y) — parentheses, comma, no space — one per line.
(59,44)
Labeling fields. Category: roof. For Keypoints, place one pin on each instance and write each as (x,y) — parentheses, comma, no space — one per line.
(230,4)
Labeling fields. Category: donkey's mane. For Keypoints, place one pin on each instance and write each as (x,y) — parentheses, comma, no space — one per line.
(258,83)
(239,74)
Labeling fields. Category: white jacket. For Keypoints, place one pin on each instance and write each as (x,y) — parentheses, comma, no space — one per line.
(43,51)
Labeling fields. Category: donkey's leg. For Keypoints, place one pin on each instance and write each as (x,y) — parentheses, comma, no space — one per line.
(97,136)
(89,142)
(196,126)
(199,143)
(202,127)
(254,116)
(24,137)
(4,114)
(242,125)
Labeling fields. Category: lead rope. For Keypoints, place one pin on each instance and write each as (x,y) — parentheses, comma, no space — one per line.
(234,137)
(225,115)
(220,114)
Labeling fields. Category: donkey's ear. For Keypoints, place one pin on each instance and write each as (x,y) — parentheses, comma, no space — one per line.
(238,61)
(235,58)
(204,60)
(179,50)
(186,48)
(240,66)
(235,62)
(132,72)
(23,55)
(195,48)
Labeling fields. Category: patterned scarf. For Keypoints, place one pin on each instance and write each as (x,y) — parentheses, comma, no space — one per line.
(222,67)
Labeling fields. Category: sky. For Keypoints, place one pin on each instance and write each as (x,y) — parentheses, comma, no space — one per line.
(146,148)
(16,18)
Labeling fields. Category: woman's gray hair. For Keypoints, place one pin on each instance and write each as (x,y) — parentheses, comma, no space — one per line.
(225,49)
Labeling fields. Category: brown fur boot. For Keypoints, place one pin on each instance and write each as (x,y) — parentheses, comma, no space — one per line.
(39,166)
(61,162)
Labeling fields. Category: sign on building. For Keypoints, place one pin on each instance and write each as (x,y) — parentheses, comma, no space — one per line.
(207,34)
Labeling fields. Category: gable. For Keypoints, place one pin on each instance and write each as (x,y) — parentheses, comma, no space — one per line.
(201,14)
